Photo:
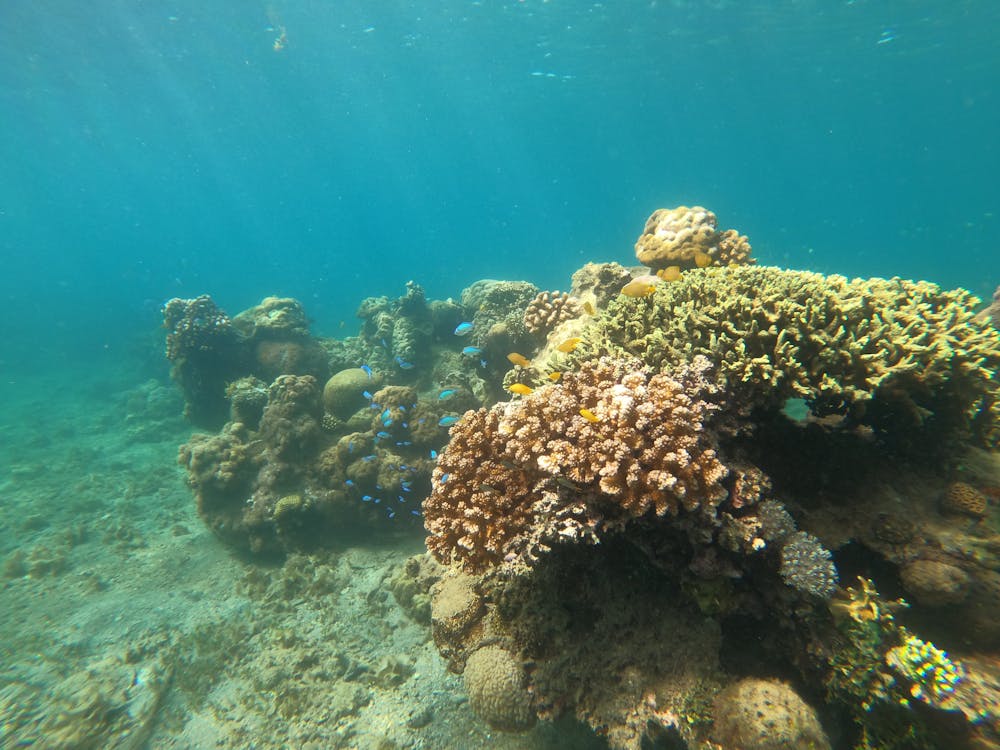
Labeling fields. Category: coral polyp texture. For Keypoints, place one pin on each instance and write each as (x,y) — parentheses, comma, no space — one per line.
(687,237)
(888,353)
(609,444)
(548,309)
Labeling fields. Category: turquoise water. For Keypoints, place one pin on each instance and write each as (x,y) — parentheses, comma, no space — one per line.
(333,151)
(157,150)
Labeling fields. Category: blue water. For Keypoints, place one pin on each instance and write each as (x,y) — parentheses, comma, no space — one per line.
(153,150)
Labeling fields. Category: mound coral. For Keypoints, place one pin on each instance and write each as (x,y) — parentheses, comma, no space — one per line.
(689,237)
(755,714)
(893,354)
(609,444)
(495,682)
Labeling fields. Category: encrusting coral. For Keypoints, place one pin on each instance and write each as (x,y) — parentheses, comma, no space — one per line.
(688,237)
(608,444)
(892,354)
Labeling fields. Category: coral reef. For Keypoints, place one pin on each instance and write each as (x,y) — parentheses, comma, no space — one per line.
(900,357)
(689,237)
(641,524)
(290,484)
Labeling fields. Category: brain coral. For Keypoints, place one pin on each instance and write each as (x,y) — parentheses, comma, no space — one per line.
(495,682)
(779,334)
(675,236)
(608,444)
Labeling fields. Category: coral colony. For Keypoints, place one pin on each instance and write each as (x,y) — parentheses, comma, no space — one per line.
(625,522)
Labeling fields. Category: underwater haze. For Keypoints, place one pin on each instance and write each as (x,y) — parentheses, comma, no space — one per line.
(301,446)
(334,150)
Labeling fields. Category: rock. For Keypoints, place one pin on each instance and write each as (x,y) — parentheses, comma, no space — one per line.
(755,714)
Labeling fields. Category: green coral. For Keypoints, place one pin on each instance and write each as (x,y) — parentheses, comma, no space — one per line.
(874,349)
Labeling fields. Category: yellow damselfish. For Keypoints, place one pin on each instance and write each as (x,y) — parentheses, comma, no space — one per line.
(554,376)
(638,288)
(588,307)
(589,415)
(702,259)
(520,388)
(670,273)
(519,359)
(569,345)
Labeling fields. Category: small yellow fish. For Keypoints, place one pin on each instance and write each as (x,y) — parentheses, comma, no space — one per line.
(519,359)
(588,307)
(640,287)
(554,376)
(702,259)
(670,273)
(569,345)
(520,389)
(589,415)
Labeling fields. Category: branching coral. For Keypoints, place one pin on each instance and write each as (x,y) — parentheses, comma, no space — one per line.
(548,309)
(894,354)
(609,444)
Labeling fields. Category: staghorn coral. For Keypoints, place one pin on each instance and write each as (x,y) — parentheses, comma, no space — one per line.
(548,309)
(891,354)
(522,474)
(676,237)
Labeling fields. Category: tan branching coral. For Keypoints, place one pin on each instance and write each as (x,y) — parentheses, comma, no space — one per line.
(912,347)
(548,309)
(687,237)
(608,444)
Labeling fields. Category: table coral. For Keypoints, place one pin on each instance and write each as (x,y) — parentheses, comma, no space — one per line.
(689,237)
(893,354)
(522,474)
